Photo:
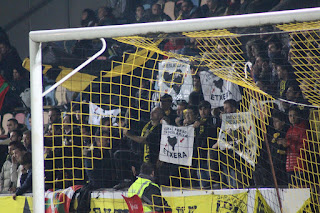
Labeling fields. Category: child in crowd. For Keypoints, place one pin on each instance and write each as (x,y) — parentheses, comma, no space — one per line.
(295,141)
(278,146)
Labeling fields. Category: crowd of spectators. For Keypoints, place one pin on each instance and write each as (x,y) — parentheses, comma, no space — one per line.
(82,146)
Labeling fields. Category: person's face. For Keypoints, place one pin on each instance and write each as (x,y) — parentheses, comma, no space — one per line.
(3,49)
(272,48)
(106,125)
(227,108)
(103,141)
(11,126)
(101,13)
(10,150)
(185,7)
(15,74)
(26,139)
(290,94)
(293,117)
(84,16)
(196,82)
(14,137)
(190,116)
(281,72)
(66,121)
(204,112)
(156,10)
(17,154)
(139,12)
(180,109)
(155,114)
(259,62)
(278,124)
(53,117)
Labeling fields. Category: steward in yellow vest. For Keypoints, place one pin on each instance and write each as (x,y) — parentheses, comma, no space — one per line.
(145,189)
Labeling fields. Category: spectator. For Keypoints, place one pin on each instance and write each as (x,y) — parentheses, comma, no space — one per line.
(278,146)
(196,96)
(190,115)
(12,124)
(204,129)
(157,14)
(286,78)
(54,116)
(16,135)
(213,8)
(182,105)
(26,138)
(88,18)
(106,17)
(169,114)
(18,152)
(26,183)
(99,163)
(148,191)
(19,82)
(174,45)
(8,176)
(150,136)
(187,10)
(140,15)
(294,4)
(295,142)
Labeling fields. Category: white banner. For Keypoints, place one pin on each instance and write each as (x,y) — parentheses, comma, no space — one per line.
(238,132)
(96,113)
(175,79)
(176,144)
(217,90)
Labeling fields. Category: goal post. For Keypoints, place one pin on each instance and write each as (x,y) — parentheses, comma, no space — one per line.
(36,38)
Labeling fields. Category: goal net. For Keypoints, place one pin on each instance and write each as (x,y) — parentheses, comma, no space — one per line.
(230,110)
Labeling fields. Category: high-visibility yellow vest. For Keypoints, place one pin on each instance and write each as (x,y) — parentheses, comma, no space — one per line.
(138,187)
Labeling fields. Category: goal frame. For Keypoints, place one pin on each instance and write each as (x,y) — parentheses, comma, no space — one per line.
(36,38)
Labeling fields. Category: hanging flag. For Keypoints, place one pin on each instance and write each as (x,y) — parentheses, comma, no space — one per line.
(4,87)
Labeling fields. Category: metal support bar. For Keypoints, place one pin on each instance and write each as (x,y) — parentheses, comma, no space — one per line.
(104,46)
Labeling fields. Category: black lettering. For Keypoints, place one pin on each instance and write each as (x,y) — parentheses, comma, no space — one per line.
(180,209)
(107,210)
(192,208)
(184,155)
(96,210)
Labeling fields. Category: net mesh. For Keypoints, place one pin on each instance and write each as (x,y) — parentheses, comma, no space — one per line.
(134,85)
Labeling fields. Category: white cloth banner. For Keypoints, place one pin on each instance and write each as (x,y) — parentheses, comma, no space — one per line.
(176,144)
(238,132)
(217,90)
(175,79)
(96,113)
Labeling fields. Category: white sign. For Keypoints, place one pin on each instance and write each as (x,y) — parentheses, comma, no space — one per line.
(238,133)
(217,90)
(96,113)
(176,145)
(175,79)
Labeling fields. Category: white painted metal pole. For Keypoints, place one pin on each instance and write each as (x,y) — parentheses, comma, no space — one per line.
(37,127)
(190,25)
(103,48)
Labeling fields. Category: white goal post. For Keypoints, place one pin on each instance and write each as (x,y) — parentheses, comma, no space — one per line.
(37,37)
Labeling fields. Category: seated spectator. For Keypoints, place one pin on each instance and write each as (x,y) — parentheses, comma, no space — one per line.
(18,152)
(88,18)
(106,17)
(157,14)
(140,15)
(261,70)
(54,116)
(9,175)
(186,10)
(26,138)
(174,45)
(294,4)
(148,191)
(213,8)
(295,137)
(26,183)
(16,135)
(12,124)
(20,81)
(169,114)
